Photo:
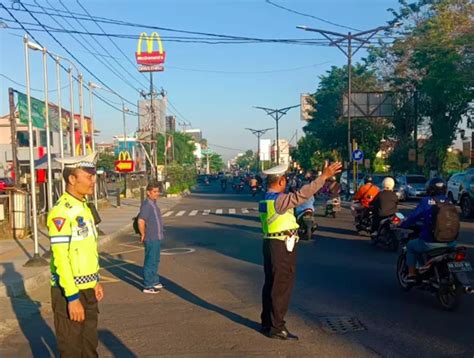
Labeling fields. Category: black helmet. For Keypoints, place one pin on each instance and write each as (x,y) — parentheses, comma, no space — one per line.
(368,179)
(436,186)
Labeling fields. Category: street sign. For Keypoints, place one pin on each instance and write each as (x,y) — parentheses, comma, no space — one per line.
(151,68)
(358,155)
(124,166)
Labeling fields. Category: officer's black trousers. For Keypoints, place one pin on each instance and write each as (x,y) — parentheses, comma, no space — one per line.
(78,340)
(280,269)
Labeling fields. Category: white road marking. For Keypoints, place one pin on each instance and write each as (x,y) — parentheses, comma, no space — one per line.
(168,213)
(245,211)
(181,213)
(206,212)
(193,213)
(231,211)
(219,211)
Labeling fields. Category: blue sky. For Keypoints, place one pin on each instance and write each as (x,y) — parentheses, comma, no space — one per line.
(212,86)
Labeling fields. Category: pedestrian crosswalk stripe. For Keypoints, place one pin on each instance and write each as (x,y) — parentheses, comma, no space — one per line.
(193,213)
(168,213)
(181,213)
(245,211)
(231,211)
(206,212)
(219,211)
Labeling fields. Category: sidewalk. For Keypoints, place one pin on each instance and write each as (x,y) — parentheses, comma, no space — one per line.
(16,280)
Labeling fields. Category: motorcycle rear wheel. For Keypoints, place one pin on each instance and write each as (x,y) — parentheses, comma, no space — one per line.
(449,296)
(402,273)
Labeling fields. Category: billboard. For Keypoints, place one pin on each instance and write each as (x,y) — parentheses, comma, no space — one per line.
(265,149)
(369,105)
(145,113)
(150,60)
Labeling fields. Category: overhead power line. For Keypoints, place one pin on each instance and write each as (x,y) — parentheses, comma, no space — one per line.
(311,16)
(71,54)
(39,43)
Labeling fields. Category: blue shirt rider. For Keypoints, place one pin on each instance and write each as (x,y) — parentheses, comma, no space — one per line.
(424,211)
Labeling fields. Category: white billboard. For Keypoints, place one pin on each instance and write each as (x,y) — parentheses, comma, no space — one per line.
(265,149)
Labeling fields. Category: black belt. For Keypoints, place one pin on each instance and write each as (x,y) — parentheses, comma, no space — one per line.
(283,233)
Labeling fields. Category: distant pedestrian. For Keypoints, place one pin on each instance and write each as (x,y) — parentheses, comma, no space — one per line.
(150,225)
(75,290)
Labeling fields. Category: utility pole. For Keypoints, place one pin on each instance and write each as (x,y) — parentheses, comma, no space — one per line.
(15,167)
(259,133)
(336,39)
(276,114)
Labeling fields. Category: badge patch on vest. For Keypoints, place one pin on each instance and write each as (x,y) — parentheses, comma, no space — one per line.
(59,223)
(80,221)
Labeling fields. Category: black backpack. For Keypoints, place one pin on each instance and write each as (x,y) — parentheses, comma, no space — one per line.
(446,223)
(135,225)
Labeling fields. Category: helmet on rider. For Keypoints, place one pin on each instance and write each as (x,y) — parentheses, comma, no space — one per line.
(436,186)
(388,183)
(368,179)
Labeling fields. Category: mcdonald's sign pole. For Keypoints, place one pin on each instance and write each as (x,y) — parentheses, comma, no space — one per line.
(151,61)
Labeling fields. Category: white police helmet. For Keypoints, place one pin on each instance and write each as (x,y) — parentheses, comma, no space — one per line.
(388,183)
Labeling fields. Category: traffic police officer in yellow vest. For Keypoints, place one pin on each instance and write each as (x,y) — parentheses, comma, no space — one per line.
(280,245)
(75,290)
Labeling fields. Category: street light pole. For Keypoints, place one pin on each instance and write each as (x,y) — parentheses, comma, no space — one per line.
(276,114)
(259,133)
(71,123)
(36,260)
(91,108)
(47,130)
(81,113)
(61,134)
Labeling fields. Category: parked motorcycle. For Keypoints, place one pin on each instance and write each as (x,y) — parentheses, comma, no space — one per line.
(442,271)
(333,206)
(363,223)
(386,235)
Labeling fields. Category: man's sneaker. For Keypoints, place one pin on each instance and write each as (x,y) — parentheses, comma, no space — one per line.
(158,286)
(151,290)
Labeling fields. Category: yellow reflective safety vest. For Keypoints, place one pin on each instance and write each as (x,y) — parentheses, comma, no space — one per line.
(275,226)
(74,254)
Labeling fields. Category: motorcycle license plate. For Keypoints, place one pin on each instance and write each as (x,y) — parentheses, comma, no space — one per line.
(459,266)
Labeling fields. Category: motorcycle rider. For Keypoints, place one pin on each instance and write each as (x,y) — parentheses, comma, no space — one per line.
(436,191)
(384,204)
(365,195)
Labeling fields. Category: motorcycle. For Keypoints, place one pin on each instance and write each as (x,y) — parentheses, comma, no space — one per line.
(254,190)
(363,223)
(386,235)
(306,220)
(238,188)
(442,271)
(333,206)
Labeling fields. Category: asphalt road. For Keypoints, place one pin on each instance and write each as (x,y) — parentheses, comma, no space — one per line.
(210,306)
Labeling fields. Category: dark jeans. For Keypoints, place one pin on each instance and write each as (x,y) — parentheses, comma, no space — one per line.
(75,339)
(280,269)
(152,260)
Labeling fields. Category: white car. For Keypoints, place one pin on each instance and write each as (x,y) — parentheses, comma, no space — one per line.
(454,184)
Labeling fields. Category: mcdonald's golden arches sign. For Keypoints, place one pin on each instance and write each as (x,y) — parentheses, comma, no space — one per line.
(150,57)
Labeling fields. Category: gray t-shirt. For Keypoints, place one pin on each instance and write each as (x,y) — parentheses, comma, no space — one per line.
(151,214)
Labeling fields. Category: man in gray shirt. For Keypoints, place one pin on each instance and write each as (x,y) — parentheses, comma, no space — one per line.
(150,225)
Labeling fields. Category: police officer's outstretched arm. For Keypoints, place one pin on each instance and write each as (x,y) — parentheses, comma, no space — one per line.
(60,232)
(288,201)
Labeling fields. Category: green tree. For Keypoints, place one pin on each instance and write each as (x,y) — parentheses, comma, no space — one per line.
(432,56)
(326,133)
(106,161)
(216,164)
(248,160)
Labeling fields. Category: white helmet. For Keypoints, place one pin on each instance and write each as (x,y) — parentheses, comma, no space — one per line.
(388,183)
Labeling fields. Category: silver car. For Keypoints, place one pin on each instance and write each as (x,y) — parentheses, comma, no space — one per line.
(413,185)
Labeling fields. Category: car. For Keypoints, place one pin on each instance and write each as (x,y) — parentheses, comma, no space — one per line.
(343,180)
(466,194)
(414,185)
(454,184)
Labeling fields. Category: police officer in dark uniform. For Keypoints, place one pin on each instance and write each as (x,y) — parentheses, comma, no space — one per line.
(280,247)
